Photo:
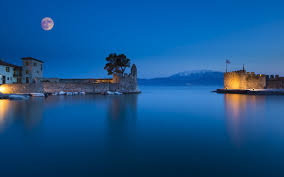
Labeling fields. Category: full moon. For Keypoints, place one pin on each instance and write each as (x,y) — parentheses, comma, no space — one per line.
(47,24)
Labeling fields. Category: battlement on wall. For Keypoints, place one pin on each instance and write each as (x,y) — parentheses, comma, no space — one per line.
(274,77)
(249,80)
(244,80)
(245,74)
(274,82)
(253,75)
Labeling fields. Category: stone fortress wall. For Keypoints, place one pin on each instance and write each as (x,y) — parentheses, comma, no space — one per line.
(244,80)
(79,87)
(274,82)
(126,83)
(21,88)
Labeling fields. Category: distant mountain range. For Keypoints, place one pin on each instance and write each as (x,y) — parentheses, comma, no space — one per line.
(196,77)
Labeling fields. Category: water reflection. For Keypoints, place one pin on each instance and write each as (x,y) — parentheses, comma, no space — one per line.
(239,109)
(4,110)
(122,107)
(121,128)
(27,113)
(122,114)
(119,110)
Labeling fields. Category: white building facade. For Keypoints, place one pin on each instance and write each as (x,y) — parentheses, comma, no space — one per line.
(30,72)
(9,73)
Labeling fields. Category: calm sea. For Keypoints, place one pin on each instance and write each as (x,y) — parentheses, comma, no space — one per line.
(165,131)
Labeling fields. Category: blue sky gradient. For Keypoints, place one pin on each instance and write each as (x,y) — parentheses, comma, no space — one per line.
(161,37)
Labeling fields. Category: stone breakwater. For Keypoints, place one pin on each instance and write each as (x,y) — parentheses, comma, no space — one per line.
(79,87)
(251,91)
(94,88)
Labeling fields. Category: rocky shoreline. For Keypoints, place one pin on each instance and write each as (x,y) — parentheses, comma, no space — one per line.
(61,93)
(14,96)
(251,91)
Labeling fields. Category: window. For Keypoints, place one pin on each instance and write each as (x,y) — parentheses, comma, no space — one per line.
(41,67)
(7,78)
(27,63)
(3,79)
(27,80)
(27,72)
(35,64)
(7,69)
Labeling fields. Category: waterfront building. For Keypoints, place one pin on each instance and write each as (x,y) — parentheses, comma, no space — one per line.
(9,73)
(242,80)
(32,70)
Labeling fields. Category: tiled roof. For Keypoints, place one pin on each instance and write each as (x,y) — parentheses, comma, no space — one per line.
(8,64)
(31,58)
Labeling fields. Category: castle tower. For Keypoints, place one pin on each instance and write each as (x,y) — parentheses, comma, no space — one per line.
(242,80)
(134,71)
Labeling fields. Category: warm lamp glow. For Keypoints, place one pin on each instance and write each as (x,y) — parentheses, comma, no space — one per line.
(3,89)
(235,84)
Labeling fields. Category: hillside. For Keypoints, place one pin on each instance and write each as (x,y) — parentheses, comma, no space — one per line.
(197,77)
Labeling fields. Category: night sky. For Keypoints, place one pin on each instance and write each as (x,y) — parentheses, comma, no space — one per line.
(161,37)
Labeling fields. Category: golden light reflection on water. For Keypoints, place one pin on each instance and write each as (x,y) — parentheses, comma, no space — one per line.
(29,113)
(26,113)
(4,108)
(238,109)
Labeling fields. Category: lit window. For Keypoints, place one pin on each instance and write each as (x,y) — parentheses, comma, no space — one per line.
(27,63)
(7,69)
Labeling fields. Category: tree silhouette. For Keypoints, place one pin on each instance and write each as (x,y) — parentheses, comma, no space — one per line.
(116,63)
